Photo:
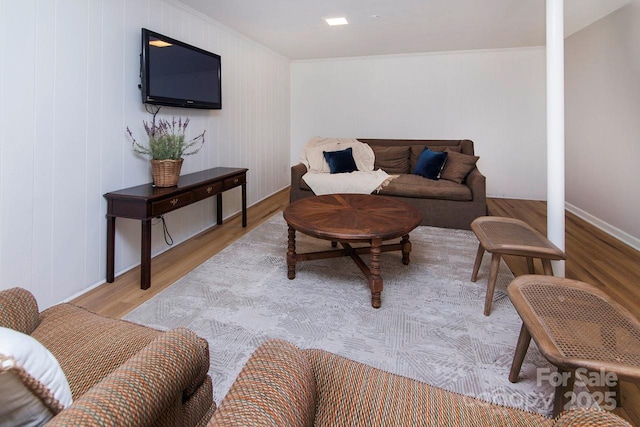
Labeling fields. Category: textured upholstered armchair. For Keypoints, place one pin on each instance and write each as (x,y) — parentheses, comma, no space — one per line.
(282,385)
(119,373)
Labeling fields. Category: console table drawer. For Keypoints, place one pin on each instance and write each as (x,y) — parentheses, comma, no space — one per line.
(164,206)
(145,202)
(234,181)
(208,191)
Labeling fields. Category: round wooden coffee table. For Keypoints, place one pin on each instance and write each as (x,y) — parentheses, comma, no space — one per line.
(352,218)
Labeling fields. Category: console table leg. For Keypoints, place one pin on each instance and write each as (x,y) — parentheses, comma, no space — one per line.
(145,255)
(244,204)
(375,282)
(219,208)
(111,240)
(291,254)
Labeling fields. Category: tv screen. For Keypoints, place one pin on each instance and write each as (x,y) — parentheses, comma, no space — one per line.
(177,74)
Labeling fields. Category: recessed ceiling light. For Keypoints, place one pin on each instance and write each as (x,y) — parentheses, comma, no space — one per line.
(336,21)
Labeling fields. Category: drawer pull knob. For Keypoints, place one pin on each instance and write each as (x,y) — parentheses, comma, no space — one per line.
(209,190)
(235,181)
(174,202)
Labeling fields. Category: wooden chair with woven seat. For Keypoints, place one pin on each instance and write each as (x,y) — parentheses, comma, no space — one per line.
(509,236)
(575,326)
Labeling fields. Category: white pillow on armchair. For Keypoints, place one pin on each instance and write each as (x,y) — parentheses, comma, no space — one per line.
(33,387)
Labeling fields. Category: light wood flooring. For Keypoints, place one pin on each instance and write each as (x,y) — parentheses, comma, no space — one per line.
(592,256)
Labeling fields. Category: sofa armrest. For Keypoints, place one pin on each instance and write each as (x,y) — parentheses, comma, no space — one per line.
(150,384)
(477,183)
(19,310)
(276,387)
(297,172)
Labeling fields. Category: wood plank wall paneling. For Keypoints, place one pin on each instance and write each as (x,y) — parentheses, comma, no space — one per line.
(69,88)
(17,156)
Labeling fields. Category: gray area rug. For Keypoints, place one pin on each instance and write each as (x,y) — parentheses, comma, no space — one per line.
(430,326)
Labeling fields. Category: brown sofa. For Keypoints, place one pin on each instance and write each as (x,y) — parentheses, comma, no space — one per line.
(282,385)
(119,373)
(443,202)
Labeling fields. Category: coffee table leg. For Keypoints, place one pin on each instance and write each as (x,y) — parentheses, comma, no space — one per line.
(406,249)
(291,254)
(375,282)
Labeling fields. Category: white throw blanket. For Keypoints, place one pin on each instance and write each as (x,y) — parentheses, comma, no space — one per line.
(313,158)
(363,181)
(358,182)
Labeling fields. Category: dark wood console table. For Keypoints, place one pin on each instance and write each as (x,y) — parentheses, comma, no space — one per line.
(145,202)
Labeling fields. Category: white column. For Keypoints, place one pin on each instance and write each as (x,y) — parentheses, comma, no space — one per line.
(555,128)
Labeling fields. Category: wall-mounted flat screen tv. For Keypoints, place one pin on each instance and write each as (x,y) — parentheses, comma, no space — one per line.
(177,74)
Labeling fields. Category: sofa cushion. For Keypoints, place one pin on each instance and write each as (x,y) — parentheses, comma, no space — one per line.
(458,166)
(416,150)
(409,185)
(392,160)
(340,161)
(430,163)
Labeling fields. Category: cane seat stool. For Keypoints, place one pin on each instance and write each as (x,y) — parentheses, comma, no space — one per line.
(576,326)
(509,236)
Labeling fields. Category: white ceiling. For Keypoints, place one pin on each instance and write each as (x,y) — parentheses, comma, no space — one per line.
(297,30)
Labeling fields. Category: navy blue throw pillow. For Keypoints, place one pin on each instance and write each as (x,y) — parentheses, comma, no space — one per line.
(340,161)
(430,163)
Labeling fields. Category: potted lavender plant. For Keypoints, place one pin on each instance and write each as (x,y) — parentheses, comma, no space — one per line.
(167,146)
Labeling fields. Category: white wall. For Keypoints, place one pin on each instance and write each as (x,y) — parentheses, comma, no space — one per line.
(495,98)
(602,88)
(69,71)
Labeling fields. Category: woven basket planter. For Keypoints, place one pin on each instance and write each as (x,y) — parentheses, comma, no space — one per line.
(166,172)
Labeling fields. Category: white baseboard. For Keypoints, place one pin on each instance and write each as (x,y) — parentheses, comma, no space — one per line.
(623,236)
